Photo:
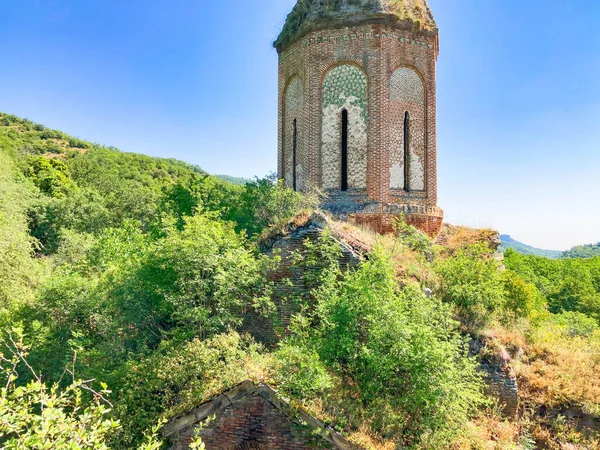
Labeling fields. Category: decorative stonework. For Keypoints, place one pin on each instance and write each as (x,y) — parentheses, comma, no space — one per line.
(294,95)
(294,99)
(344,88)
(407,94)
(406,86)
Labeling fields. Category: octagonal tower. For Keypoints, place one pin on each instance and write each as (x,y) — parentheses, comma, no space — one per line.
(357,108)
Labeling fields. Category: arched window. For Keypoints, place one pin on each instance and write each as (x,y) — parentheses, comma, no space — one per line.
(408,131)
(294,148)
(343,129)
(291,146)
(344,150)
(407,151)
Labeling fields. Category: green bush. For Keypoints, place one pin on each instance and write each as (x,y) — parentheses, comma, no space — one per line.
(566,285)
(36,416)
(413,238)
(472,281)
(575,324)
(180,376)
(522,299)
(301,372)
(267,202)
(51,176)
(18,269)
(402,350)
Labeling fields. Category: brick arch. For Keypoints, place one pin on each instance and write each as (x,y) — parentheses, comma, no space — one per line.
(408,94)
(344,88)
(330,64)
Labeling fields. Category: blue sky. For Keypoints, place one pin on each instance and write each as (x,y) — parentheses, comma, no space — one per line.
(518,95)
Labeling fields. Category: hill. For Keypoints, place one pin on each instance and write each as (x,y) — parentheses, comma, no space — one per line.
(583,251)
(234,180)
(524,249)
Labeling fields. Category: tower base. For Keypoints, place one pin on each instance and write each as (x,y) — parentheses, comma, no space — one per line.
(381,216)
(384,223)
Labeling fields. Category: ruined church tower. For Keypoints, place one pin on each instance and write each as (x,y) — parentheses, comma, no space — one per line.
(357,108)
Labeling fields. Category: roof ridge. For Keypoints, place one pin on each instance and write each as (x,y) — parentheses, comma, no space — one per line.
(244,389)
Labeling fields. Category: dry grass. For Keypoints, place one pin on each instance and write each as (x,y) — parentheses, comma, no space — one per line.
(454,238)
(562,371)
(489,432)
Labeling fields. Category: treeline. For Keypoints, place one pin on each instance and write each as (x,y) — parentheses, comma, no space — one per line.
(583,251)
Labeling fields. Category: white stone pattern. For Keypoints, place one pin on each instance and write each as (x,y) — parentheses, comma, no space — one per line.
(294,98)
(345,87)
(407,95)
(406,86)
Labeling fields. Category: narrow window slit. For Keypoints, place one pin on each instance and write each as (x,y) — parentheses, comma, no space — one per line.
(344,150)
(294,148)
(407,151)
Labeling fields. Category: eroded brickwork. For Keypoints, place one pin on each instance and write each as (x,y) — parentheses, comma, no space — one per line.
(251,423)
(289,280)
(397,61)
(250,416)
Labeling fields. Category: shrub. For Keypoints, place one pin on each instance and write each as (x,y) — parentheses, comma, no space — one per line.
(413,238)
(266,202)
(575,324)
(301,372)
(17,266)
(401,349)
(522,298)
(472,281)
(36,416)
(180,376)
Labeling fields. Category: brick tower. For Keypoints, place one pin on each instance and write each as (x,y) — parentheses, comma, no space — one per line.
(357,108)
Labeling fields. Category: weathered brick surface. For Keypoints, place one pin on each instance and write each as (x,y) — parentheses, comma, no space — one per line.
(398,61)
(251,423)
(250,416)
(384,223)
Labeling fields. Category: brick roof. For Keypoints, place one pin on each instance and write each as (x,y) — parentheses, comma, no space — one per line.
(311,15)
(246,389)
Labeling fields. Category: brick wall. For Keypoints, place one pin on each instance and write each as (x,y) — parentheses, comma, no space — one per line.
(253,422)
(398,62)
(384,223)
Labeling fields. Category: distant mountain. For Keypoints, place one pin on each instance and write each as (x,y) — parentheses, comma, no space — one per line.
(234,180)
(508,242)
(583,251)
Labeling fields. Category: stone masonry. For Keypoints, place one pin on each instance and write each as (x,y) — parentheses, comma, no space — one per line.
(357,109)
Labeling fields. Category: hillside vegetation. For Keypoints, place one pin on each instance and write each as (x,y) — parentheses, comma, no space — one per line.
(580,251)
(583,251)
(125,282)
(524,249)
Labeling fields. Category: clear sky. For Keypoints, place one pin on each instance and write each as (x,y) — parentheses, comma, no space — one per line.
(518,95)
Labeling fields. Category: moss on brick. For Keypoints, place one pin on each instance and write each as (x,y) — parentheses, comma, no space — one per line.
(309,15)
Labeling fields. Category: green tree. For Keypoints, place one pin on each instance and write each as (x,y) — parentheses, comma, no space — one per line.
(38,417)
